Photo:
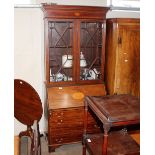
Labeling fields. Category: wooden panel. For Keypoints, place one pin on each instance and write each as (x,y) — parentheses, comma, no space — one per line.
(64,11)
(72,96)
(123,56)
(110,57)
(128,66)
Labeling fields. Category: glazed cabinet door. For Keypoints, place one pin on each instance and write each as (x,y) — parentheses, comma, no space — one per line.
(128,60)
(60,52)
(76,50)
(91,51)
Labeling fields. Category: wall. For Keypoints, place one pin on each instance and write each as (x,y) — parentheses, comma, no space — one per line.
(28,52)
(29,47)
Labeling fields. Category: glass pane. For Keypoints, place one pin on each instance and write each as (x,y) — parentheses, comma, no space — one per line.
(90,50)
(60,51)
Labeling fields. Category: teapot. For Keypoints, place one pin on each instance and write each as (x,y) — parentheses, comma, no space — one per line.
(82,60)
(59,77)
(93,73)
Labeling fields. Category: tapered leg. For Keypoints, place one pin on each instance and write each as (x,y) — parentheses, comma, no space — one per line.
(105,138)
(105,143)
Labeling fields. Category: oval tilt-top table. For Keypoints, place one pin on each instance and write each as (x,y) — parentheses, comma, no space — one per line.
(28,111)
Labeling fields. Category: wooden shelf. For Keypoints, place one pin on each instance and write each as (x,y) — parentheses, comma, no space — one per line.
(61,47)
(118,143)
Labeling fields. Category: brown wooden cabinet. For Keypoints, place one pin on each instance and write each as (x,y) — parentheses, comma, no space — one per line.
(75,57)
(123,56)
(66,113)
(75,44)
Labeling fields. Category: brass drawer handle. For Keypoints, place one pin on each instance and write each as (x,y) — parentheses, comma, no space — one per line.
(77,14)
(96,126)
(59,140)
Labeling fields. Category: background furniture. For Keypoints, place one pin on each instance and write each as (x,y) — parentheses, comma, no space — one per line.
(115,110)
(123,56)
(75,55)
(28,110)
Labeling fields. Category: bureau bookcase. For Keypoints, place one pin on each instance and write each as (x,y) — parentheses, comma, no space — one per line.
(75,57)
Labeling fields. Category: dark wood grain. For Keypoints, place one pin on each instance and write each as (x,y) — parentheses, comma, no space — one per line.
(64,34)
(70,11)
(74,15)
(118,143)
(112,110)
(27,103)
(66,113)
(28,110)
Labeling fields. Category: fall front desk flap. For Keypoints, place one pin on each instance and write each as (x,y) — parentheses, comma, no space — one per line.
(72,96)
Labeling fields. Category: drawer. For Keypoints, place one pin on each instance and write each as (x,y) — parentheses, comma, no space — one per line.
(66,118)
(61,123)
(65,131)
(68,114)
(64,136)
(64,140)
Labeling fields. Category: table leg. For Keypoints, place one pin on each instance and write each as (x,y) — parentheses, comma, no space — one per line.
(105,138)
(105,143)
(85,126)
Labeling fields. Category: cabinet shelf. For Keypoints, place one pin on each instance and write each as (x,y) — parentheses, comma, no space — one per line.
(118,143)
(60,46)
(53,66)
(100,46)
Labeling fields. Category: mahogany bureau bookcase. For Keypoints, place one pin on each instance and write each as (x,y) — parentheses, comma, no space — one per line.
(113,111)
(75,57)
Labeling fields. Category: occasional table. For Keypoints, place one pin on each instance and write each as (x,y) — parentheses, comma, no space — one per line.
(112,111)
(28,110)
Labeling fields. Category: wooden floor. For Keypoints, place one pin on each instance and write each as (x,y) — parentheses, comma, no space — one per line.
(136,136)
(16,145)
